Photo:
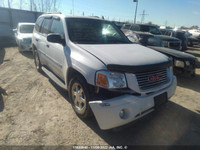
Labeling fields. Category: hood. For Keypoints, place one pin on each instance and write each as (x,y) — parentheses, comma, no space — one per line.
(167,38)
(125,55)
(193,39)
(174,53)
(25,35)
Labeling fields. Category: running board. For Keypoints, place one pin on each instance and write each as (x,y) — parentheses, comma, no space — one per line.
(54,78)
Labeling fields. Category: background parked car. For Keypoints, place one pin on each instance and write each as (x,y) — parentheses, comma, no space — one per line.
(170,42)
(183,62)
(191,40)
(195,33)
(23,36)
(181,35)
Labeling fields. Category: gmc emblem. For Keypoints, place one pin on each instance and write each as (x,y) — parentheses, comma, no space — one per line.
(154,78)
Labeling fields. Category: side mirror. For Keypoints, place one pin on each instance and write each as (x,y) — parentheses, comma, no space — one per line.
(55,38)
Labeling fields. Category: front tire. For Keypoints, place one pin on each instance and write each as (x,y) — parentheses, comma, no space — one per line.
(37,61)
(79,97)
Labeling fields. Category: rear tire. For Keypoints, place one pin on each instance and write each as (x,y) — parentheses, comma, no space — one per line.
(79,97)
(37,61)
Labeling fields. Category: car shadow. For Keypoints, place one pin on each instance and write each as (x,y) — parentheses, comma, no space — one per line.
(2,92)
(28,54)
(2,55)
(62,91)
(192,83)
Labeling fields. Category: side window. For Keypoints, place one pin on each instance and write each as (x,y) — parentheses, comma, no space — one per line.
(45,26)
(57,27)
(38,24)
(135,28)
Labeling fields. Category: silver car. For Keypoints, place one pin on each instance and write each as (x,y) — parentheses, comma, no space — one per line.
(23,36)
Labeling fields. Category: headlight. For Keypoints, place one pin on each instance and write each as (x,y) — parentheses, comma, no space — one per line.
(111,80)
(179,63)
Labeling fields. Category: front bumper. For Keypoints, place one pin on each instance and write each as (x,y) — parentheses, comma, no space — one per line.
(25,46)
(107,111)
(195,42)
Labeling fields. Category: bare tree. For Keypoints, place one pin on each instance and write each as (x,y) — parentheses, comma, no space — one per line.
(2,3)
(20,4)
(10,3)
(45,5)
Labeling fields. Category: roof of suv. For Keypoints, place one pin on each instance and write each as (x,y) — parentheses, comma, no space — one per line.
(25,23)
(69,16)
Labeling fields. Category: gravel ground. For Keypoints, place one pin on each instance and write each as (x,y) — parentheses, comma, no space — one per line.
(35,111)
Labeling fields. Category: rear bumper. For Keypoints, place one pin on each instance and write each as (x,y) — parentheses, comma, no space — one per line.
(107,111)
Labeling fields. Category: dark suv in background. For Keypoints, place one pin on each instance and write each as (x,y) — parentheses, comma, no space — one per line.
(170,42)
(178,34)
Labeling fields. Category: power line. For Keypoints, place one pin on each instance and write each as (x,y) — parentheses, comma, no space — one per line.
(143,15)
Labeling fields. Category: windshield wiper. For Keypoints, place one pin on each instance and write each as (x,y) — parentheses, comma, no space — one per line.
(116,41)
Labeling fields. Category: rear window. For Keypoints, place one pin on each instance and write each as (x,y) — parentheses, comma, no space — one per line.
(26,28)
(151,29)
(135,27)
(126,26)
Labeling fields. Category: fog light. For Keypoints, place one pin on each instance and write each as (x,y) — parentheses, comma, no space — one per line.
(122,114)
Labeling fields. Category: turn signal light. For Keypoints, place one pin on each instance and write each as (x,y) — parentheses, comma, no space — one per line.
(102,80)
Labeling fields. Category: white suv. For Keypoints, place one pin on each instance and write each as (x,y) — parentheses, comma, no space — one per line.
(105,74)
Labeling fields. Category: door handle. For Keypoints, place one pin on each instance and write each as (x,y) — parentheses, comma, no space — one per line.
(37,40)
(47,45)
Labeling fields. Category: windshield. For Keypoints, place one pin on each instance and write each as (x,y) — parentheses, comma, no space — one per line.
(26,28)
(181,35)
(92,31)
(148,40)
(151,29)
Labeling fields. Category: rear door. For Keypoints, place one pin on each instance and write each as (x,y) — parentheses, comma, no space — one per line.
(44,31)
(37,39)
(56,50)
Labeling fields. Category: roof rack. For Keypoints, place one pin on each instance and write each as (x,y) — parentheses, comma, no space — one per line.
(52,13)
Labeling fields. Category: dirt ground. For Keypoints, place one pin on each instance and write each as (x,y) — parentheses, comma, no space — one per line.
(35,111)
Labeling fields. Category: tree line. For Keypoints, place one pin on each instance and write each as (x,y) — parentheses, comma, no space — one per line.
(33,5)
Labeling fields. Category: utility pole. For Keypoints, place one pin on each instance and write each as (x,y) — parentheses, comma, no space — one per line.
(166,23)
(143,16)
(73,6)
(135,10)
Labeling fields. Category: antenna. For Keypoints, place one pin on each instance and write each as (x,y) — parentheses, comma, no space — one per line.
(143,16)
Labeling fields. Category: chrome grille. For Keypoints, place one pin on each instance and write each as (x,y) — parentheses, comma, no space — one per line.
(28,40)
(148,80)
(174,44)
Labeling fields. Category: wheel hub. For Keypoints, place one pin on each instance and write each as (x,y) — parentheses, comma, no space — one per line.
(79,98)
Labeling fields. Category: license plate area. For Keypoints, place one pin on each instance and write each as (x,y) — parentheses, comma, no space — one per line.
(160,100)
